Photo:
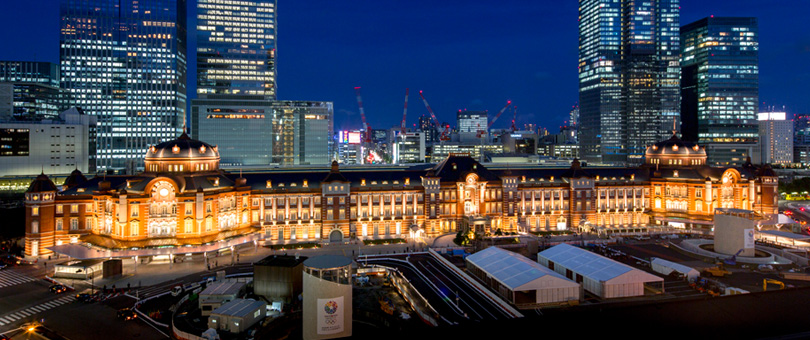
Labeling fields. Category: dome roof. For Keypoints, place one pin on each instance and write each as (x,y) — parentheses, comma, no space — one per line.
(76,178)
(675,152)
(675,146)
(41,184)
(182,148)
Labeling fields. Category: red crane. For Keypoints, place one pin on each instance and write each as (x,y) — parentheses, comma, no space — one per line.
(444,134)
(508,102)
(404,114)
(367,139)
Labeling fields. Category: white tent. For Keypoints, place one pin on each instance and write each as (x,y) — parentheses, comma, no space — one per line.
(599,275)
(520,280)
(665,267)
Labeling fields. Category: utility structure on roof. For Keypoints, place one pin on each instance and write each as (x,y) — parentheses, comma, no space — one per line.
(514,117)
(443,135)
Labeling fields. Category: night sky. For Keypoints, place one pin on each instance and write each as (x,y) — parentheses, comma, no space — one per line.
(463,53)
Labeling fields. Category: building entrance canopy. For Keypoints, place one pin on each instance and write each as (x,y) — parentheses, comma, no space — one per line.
(84,252)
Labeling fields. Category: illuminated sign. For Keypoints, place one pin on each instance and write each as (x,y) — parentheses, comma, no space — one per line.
(354,138)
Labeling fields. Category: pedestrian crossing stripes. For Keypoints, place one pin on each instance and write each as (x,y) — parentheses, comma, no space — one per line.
(31,311)
(11,278)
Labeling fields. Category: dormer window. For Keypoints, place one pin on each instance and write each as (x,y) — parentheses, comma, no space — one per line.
(175,149)
(202,149)
(674,148)
(363,182)
(407,181)
(306,183)
(269,183)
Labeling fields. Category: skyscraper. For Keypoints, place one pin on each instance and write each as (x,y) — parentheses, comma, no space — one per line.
(236,49)
(776,138)
(124,61)
(720,87)
(628,77)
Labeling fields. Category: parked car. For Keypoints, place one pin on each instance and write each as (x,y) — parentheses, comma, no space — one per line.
(127,314)
(57,289)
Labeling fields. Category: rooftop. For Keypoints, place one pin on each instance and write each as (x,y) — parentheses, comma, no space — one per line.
(328,262)
(281,261)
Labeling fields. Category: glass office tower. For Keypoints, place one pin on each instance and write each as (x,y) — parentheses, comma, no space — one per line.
(720,86)
(29,90)
(628,75)
(124,61)
(236,49)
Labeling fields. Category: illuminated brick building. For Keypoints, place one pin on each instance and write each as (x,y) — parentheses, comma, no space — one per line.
(183,198)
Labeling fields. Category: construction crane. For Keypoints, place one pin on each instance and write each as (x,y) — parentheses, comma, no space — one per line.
(367,138)
(404,114)
(514,116)
(508,102)
(443,134)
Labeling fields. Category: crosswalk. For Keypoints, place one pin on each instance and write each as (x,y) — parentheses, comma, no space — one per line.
(11,278)
(28,312)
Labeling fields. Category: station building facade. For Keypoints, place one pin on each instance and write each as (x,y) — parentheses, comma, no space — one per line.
(183,198)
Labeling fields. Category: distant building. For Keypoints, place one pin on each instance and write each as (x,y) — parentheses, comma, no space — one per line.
(55,146)
(720,87)
(410,149)
(521,142)
(573,115)
(275,132)
(776,138)
(476,151)
(427,126)
(349,147)
(472,126)
(29,90)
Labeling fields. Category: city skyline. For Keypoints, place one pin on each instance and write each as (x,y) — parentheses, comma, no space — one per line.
(385,48)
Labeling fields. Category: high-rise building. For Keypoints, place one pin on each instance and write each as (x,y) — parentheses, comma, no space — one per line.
(274,132)
(236,49)
(776,138)
(410,148)
(573,115)
(29,90)
(124,61)
(720,86)
(628,77)
(472,126)
(427,126)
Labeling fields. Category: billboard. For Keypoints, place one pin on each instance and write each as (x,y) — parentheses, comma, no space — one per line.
(354,138)
(748,243)
(330,315)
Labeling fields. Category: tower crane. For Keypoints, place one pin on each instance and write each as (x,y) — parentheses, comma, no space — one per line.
(443,134)
(367,138)
(404,114)
(514,117)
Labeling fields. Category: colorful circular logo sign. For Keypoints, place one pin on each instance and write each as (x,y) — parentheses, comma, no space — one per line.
(330,307)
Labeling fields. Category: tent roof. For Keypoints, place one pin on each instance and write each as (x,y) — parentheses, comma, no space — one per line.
(512,270)
(676,266)
(592,265)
